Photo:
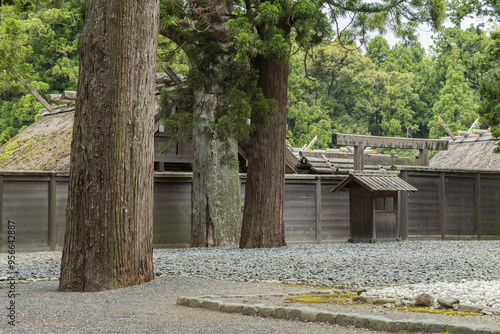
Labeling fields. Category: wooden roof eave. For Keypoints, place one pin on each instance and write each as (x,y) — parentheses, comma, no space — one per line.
(352,178)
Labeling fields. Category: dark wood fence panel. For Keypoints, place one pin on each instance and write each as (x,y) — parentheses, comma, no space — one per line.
(300,215)
(25,202)
(423,206)
(386,227)
(490,206)
(361,214)
(172,213)
(334,214)
(447,204)
(459,208)
(61,203)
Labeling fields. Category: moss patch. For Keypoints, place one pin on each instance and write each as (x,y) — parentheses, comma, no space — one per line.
(343,298)
(15,146)
(434,311)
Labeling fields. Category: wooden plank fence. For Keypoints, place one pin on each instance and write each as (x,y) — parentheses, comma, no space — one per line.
(447,205)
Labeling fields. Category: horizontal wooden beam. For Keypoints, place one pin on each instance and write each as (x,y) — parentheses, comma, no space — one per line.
(390,142)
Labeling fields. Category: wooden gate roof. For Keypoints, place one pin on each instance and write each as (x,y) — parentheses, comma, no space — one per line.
(376,182)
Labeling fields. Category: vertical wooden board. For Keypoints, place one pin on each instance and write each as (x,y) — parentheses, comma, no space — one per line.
(459,207)
(334,214)
(172,213)
(490,206)
(386,225)
(300,215)
(423,205)
(62,201)
(185,150)
(361,214)
(242,190)
(26,203)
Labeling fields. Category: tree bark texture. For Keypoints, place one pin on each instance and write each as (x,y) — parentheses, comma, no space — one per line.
(216,205)
(263,216)
(109,218)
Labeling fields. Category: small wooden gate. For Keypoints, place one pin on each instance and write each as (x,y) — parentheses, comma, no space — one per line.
(373,201)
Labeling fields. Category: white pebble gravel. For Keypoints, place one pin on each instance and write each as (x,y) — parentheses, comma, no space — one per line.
(480,293)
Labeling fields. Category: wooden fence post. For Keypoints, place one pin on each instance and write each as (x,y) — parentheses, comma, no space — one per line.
(359,157)
(442,205)
(318,211)
(403,209)
(52,228)
(477,204)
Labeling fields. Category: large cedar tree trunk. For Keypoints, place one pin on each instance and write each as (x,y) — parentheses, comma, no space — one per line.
(216,206)
(109,218)
(263,217)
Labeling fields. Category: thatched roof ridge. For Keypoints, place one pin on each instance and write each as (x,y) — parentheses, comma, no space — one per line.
(44,145)
(474,155)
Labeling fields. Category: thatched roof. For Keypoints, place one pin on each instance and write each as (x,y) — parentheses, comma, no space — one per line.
(474,155)
(44,145)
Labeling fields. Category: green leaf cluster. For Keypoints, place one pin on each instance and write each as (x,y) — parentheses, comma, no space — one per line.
(39,42)
(490,85)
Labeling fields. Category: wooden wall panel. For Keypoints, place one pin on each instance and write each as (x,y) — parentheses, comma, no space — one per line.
(361,214)
(459,207)
(386,226)
(61,202)
(490,206)
(423,206)
(334,214)
(26,203)
(172,214)
(300,216)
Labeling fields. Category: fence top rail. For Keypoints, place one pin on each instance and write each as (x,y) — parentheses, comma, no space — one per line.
(444,170)
(30,173)
(171,175)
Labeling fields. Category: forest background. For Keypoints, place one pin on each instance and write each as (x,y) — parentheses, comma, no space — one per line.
(373,89)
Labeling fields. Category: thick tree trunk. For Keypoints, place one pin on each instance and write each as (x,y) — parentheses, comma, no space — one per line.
(263,217)
(109,218)
(216,206)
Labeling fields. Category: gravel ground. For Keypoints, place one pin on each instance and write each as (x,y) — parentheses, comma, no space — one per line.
(150,307)
(375,265)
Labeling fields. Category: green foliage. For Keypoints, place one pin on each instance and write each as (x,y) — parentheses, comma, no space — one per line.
(467,45)
(490,86)
(304,123)
(223,43)
(347,91)
(456,102)
(38,42)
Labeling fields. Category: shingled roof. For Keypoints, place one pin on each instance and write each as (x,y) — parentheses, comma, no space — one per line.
(387,181)
(474,155)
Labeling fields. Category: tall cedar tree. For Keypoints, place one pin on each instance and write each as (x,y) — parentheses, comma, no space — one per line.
(455,105)
(274,21)
(109,218)
(260,36)
(216,207)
